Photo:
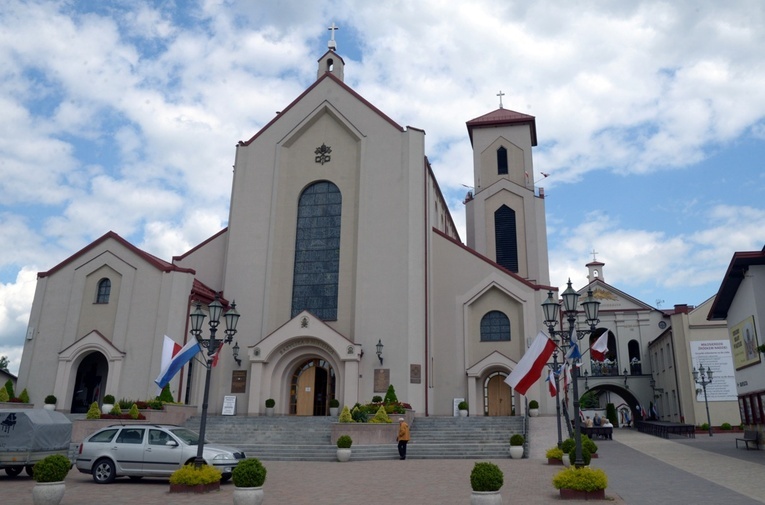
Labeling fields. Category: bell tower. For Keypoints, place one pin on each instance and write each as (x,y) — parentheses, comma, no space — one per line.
(331,62)
(505,217)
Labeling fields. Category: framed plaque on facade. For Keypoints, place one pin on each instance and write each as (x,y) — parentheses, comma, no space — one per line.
(239,381)
(382,380)
(415,374)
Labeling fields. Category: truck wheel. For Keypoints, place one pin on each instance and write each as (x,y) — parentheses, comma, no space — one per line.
(104,471)
(13,471)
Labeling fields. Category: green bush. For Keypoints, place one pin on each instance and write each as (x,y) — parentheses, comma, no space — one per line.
(165,395)
(94,412)
(517,439)
(249,472)
(533,404)
(567,445)
(344,442)
(9,389)
(377,399)
(124,403)
(705,426)
(390,395)
(345,415)
(4,395)
(586,454)
(486,477)
(381,416)
(51,468)
(726,426)
(358,415)
(116,410)
(50,400)
(581,479)
(589,444)
(462,406)
(270,403)
(334,403)
(134,411)
(24,396)
(190,475)
(554,453)
(109,399)
(611,414)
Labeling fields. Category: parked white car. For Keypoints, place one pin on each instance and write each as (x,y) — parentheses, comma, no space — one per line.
(145,450)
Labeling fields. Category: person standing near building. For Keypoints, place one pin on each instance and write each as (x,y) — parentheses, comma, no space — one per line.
(402,438)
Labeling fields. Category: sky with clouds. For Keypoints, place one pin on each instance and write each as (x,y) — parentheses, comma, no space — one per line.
(123,115)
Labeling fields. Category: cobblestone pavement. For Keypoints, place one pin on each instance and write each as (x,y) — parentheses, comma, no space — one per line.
(641,469)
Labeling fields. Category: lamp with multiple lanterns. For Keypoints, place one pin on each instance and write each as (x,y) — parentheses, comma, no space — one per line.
(551,310)
(703,377)
(212,345)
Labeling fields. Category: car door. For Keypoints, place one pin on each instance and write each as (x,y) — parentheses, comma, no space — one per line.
(129,451)
(163,453)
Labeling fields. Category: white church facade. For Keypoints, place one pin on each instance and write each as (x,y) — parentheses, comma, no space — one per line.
(339,239)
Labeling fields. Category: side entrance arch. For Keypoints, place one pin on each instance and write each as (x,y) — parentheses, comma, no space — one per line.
(90,382)
(312,386)
(498,395)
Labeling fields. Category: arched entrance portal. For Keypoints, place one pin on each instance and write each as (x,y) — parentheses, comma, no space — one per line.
(498,395)
(313,385)
(624,401)
(90,382)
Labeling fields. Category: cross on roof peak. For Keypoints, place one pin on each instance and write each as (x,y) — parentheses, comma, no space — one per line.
(500,95)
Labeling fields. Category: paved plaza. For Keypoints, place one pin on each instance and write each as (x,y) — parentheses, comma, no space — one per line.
(641,469)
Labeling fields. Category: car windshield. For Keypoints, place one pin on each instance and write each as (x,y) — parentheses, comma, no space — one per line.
(189,437)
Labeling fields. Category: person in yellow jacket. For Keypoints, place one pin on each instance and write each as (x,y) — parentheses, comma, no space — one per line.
(403,437)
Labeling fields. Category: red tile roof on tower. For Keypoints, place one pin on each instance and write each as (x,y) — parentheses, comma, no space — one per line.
(501,117)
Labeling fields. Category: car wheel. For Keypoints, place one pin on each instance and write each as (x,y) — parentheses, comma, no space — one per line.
(13,471)
(225,478)
(30,469)
(104,471)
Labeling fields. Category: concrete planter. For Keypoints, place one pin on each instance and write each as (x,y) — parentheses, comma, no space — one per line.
(248,495)
(485,498)
(49,406)
(573,494)
(343,455)
(554,461)
(463,413)
(533,412)
(372,433)
(269,411)
(106,408)
(16,405)
(516,451)
(48,493)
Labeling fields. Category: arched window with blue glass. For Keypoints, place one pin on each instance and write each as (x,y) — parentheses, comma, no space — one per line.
(104,290)
(495,327)
(317,251)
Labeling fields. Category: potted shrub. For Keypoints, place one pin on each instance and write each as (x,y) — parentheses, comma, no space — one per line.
(345,416)
(516,446)
(108,404)
(581,483)
(249,476)
(381,416)
(486,479)
(463,408)
(270,404)
(567,446)
(193,479)
(50,402)
(49,474)
(94,412)
(334,406)
(533,408)
(344,443)
(554,456)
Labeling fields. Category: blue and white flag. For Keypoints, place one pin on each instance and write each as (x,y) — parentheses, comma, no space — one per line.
(179,360)
(573,350)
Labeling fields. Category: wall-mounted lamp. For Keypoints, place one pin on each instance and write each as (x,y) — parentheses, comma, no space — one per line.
(379,350)
(235,351)
(586,375)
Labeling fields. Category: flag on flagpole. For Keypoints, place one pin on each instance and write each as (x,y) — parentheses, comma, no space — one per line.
(600,347)
(215,358)
(530,366)
(177,362)
(169,349)
(566,371)
(551,386)
(573,351)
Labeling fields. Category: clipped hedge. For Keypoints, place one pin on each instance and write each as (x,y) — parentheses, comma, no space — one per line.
(344,442)
(190,475)
(249,472)
(486,477)
(581,479)
(51,468)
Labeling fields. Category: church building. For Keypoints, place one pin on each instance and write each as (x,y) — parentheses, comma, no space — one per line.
(345,265)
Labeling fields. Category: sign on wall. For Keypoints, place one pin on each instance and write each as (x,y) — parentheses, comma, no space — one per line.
(239,381)
(382,380)
(715,354)
(744,339)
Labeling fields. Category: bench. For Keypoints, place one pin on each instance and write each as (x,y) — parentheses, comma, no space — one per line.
(750,437)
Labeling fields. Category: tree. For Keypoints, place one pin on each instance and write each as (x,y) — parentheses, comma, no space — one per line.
(4,363)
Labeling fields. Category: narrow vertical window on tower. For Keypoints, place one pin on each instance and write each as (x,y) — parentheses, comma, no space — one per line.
(502,161)
(505,238)
(317,251)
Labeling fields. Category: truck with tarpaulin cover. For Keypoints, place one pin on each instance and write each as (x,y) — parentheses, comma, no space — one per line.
(28,435)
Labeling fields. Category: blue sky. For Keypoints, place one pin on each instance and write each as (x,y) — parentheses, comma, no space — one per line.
(123,115)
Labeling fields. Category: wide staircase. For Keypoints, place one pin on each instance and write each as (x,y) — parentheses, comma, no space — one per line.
(298,438)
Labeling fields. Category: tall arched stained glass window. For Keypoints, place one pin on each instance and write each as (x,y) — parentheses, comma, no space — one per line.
(104,291)
(495,327)
(505,237)
(317,251)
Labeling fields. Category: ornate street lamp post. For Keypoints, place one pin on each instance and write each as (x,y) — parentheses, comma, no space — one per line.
(704,378)
(551,308)
(211,344)
(591,306)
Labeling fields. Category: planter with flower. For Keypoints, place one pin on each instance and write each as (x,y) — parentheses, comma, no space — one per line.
(108,404)
(49,474)
(486,479)
(249,476)
(193,479)
(270,404)
(334,406)
(581,483)
(516,446)
(344,443)
(554,456)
